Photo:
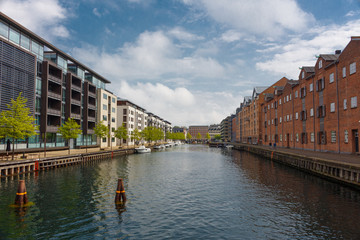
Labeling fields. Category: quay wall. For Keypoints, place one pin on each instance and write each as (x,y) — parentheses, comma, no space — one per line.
(11,168)
(344,173)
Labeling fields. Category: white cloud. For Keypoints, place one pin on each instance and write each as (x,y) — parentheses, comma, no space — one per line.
(44,17)
(153,56)
(183,35)
(96,12)
(261,17)
(179,105)
(231,36)
(300,52)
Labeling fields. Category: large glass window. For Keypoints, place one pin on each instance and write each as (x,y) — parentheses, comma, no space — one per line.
(104,96)
(81,73)
(25,42)
(14,36)
(62,63)
(35,47)
(38,85)
(4,30)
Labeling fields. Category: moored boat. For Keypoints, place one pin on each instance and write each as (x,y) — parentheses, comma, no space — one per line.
(142,149)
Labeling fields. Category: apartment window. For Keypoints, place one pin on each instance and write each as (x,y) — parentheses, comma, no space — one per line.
(124,111)
(332,107)
(269,122)
(4,29)
(113,110)
(296,115)
(344,72)
(272,121)
(353,68)
(331,78)
(320,84)
(345,104)
(311,87)
(320,64)
(104,96)
(113,119)
(124,118)
(25,42)
(280,137)
(312,137)
(304,138)
(280,101)
(268,106)
(311,112)
(303,92)
(113,129)
(287,117)
(297,137)
(353,102)
(303,115)
(14,36)
(280,119)
(296,94)
(290,96)
(113,139)
(346,136)
(290,117)
(113,100)
(104,117)
(104,107)
(287,98)
(272,105)
(321,137)
(333,136)
(104,140)
(321,111)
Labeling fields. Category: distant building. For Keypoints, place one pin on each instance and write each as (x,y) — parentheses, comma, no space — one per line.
(214,129)
(107,112)
(195,130)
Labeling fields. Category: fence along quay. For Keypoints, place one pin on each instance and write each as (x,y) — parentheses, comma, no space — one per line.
(11,168)
(338,171)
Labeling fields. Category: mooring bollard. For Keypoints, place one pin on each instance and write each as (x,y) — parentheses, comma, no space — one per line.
(120,192)
(21,195)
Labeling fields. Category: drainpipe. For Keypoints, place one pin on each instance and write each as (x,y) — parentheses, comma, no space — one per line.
(338,107)
(314,112)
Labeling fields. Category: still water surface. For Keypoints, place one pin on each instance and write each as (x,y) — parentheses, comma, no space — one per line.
(188,192)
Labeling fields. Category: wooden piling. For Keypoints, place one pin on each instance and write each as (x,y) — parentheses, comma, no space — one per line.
(120,192)
(21,195)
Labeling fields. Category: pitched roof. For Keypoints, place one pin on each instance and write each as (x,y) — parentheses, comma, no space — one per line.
(329,57)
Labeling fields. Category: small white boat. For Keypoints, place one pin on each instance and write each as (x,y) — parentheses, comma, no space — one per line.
(159,146)
(168,145)
(229,146)
(142,149)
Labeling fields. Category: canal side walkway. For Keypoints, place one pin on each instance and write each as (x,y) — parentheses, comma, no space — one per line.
(342,168)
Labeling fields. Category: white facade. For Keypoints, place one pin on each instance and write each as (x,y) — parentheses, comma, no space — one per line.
(107,112)
(132,116)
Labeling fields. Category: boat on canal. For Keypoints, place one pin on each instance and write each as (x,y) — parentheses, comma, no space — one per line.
(159,146)
(142,149)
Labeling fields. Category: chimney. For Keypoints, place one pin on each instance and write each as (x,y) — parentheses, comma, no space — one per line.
(337,51)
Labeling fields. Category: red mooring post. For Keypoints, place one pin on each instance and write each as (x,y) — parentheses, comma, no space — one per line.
(120,192)
(21,195)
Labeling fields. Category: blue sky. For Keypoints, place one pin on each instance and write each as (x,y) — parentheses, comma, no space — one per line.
(191,61)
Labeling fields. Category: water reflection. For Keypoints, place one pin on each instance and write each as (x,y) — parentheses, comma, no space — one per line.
(189,192)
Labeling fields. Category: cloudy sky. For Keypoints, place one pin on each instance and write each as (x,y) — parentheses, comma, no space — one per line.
(191,61)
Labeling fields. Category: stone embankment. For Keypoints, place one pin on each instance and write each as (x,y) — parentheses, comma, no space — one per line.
(17,167)
(342,168)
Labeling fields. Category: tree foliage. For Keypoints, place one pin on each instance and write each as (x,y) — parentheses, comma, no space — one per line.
(217,137)
(101,130)
(151,134)
(70,130)
(208,136)
(198,136)
(17,123)
(188,136)
(121,133)
(136,135)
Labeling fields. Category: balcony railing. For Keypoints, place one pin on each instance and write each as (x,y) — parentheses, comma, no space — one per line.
(55,112)
(76,88)
(55,79)
(76,102)
(52,128)
(54,95)
(75,116)
(91,119)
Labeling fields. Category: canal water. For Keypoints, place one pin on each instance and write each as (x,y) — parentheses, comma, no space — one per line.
(187,192)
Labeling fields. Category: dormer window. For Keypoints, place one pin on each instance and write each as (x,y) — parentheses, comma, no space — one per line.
(320,63)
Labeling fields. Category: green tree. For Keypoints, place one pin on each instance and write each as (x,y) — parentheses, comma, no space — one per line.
(217,137)
(208,136)
(198,136)
(17,123)
(188,136)
(170,135)
(158,134)
(121,133)
(101,130)
(70,130)
(136,135)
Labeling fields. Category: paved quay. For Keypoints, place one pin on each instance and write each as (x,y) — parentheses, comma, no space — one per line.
(342,158)
(51,154)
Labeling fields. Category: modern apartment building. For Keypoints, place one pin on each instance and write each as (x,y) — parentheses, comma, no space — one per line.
(132,117)
(107,113)
(56,85)
(214,129)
